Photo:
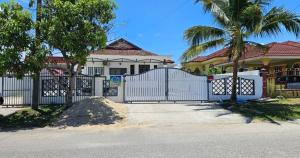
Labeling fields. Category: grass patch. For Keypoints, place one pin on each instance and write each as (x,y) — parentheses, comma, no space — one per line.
(29,118)
(283,110)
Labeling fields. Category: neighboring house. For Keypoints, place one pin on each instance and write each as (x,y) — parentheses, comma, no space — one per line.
(279,65)
(119,58)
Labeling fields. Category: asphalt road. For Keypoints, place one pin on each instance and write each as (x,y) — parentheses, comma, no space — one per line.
(257,140)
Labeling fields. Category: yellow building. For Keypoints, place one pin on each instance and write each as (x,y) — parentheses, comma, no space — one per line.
(280,66)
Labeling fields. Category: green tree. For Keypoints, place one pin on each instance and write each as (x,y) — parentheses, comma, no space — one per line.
(15,26)
(75,28)
(213,71)
(23,51)
(238,20)
(36,60)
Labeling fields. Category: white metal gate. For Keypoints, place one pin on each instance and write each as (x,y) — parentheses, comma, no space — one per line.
(165,84)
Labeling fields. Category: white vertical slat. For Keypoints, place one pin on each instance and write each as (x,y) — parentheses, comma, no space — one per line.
(150,86)
(187,87)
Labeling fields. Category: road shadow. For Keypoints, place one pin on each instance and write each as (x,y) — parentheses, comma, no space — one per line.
(271,112)
(87,112)
(28,119)
(203,107)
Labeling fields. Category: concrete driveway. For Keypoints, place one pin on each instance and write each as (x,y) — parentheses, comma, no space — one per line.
(176,114)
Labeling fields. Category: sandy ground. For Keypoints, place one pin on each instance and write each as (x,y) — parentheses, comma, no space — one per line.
(94,111)
(4,111)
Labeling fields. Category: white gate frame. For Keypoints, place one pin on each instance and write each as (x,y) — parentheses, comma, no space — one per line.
(165,84)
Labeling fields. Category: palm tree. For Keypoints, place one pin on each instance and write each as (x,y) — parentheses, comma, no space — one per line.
(238,20)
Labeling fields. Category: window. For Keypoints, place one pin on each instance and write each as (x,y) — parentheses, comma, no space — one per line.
(98,71)
(155,66)
(132,71)
(278,70)
(90,71)
(117,71)
(144,68)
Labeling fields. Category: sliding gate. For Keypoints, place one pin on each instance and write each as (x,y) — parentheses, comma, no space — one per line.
(165,84)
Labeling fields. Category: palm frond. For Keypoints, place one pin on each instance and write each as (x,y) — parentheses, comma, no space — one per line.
(276,18)
(251,17)
(198,34)
(237,7)
(195,50)
(262,3)
(218,8)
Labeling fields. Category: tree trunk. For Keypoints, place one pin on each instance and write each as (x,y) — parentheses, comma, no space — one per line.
(70,88)
(233,97)
(36,79)
(35,92)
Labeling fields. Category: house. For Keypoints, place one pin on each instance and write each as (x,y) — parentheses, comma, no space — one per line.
(119,58)
(279,65)
(122,57)
(115,60)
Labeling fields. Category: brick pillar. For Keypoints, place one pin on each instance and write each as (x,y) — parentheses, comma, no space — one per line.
(265,71)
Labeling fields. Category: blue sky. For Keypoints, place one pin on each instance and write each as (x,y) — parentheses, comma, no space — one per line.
(158,25)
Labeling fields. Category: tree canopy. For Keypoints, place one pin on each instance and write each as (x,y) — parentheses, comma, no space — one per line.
(75,28)
(15,26)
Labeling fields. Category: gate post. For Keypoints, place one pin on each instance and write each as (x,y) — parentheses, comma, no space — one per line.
(208,92)
(167,83)
(124,82)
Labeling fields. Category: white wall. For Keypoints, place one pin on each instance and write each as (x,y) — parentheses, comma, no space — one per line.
(119,65)
(258,88)
(255,72)
(120,97)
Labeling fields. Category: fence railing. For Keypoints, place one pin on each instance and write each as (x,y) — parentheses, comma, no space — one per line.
(52,89)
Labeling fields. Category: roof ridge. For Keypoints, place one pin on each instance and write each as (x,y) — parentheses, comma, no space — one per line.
(123,40)
(284,43)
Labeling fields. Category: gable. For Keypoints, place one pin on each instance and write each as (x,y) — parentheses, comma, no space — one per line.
(122,44)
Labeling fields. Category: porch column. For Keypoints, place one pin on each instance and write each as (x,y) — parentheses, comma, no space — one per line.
(265,72)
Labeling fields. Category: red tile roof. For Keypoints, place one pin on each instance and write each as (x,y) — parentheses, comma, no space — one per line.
(119,47)
(55,59)
(123,47)
(289,48)
(124,52)
(219,53)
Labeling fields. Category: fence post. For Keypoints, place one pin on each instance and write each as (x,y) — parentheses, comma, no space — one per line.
(124,86)
(208,90)
(94,85)
(167,83)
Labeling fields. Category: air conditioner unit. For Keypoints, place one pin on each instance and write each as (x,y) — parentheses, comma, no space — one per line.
(105,63)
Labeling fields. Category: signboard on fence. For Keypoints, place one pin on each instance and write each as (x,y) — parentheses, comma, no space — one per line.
(115,81)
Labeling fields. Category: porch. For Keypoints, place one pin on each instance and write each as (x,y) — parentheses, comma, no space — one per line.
(284,82)
(281,75)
